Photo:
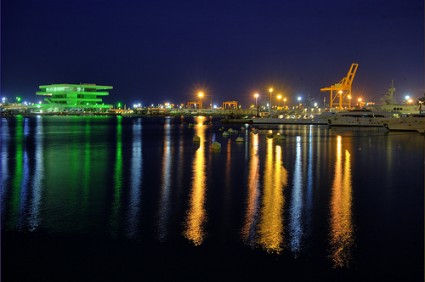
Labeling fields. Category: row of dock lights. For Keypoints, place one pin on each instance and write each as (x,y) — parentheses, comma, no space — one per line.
(279,98)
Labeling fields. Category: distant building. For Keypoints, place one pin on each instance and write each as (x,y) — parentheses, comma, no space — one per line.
(74,97)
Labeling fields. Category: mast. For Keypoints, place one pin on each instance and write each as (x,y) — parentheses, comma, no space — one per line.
(389,98)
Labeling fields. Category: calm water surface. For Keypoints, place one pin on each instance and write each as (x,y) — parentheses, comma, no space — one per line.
(135,199)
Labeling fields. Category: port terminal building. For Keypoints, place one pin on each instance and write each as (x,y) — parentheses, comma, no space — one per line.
(74,97)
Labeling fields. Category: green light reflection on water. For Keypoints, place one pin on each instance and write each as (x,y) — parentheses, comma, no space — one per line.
(117,178)
(18,174)
(87,166)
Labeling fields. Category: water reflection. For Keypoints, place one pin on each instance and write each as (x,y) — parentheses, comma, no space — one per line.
(86,167)
(309,194)
(135,178)
(164,202)
(34,214)
(271,222)
(251,217)
(296,206)
(17,173)
(24,195)
(180,166)
(117,178)
(341,235)
(4,171)
(196,215)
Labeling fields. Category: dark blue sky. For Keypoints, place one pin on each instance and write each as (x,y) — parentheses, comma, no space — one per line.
(164,50)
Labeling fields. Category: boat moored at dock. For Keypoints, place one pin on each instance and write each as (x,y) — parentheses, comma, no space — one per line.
(362,117)
(414,122)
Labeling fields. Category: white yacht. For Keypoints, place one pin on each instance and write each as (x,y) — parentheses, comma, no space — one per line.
(389,103)
(362,117)
(414,122)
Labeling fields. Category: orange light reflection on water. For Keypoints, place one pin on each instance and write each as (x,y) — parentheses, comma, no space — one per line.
(196,214)
(248,230)
(271,222)
(341,237)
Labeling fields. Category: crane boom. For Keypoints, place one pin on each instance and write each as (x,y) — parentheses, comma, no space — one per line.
(343,88)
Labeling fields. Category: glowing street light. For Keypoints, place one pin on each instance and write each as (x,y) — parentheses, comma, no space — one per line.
(279,97)
(349,101)
(284,102)
(359,102)
(256,95)
(270,108)
(200,95)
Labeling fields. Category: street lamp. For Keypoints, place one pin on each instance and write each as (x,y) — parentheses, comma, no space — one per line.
(279,97)
(200,95)
(359,100)
(284,102)
(256,95)
(349,101)
(299,101)
(270,107)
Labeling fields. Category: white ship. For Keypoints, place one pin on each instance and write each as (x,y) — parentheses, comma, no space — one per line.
(414,122)
(389,104)
(363,118)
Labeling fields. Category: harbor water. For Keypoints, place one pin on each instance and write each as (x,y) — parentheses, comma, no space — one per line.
(138,199)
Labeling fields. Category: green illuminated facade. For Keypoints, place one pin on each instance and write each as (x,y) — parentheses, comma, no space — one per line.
(74,97)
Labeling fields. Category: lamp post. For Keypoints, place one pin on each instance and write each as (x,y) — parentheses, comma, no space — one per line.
(349,101)
(256,104)
(359,100)
(284,102)
(200,95)
(279,97)
(270,106)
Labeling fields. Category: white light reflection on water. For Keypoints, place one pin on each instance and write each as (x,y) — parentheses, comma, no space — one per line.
(309,194)
(164,202)
(34,216)
(180,166)
(196,215)
(116,205)
(24,193)
(296,206)
(341,236)
(136,179)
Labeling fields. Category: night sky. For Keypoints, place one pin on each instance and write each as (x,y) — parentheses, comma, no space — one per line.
(160,51)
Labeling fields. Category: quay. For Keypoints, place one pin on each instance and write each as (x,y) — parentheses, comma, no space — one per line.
(307,121)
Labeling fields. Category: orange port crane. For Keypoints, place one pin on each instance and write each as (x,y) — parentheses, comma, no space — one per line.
(342,89)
